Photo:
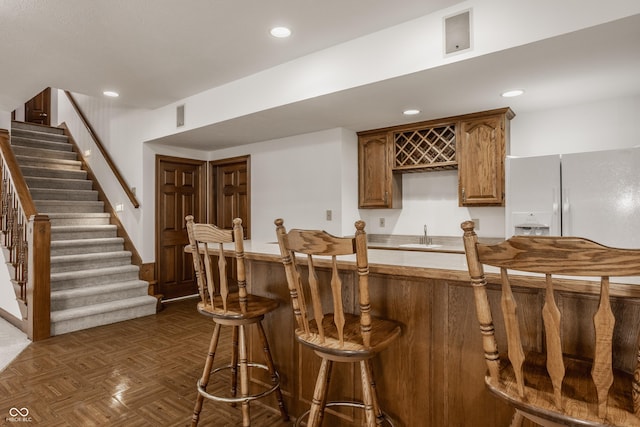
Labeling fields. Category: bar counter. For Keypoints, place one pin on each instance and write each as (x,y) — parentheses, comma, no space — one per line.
(433,375)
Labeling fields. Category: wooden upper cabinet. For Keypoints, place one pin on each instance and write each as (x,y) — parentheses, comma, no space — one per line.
(475,144)
(483,143)
(378,187)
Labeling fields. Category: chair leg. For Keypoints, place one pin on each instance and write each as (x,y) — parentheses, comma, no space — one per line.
(206,373)
(234,363)
(272,370)
(367,398)
(319,400)
(374,395)
(244,376)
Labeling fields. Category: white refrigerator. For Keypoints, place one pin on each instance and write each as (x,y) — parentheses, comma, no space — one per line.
(595,195)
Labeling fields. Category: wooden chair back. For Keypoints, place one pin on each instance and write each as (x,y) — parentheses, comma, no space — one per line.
(207,248)
(549,257)
(319,247)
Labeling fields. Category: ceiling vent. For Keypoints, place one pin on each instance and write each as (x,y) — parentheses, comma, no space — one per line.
(180,115)
(457,32)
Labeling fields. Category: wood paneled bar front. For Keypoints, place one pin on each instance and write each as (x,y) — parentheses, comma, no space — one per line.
(433,375)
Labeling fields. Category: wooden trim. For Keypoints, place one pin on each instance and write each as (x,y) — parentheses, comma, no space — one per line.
(5,315)
(128,243)
(105,154)
(39,293)
(439,122)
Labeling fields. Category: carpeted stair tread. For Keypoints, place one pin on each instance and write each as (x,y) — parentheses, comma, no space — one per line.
(49,134)
(25,126)
(72,319)
(59,206)
(48,163)
(93,277)
(100,308)
(78,218)
(76,297)
(40,171)
(75,232)
(43,183)
(90,261)
(20,141)
(44,153)
(84,246)
(63,194)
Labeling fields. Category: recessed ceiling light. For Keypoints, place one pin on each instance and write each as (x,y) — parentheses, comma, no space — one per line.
(280,32)
(512,93)
(111,94)
(411,112)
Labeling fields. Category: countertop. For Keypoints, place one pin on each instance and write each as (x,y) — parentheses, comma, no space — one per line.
(439,265)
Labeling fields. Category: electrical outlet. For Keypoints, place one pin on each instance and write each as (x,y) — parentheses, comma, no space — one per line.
(476,221)
(381,222)
(329,214)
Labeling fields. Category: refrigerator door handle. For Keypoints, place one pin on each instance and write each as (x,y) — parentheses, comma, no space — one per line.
(565,203)
(566,207)
(555,201)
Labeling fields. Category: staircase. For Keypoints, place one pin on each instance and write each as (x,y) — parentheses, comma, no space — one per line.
(93,281)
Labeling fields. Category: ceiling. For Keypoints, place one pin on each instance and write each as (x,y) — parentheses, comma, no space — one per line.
(155,52)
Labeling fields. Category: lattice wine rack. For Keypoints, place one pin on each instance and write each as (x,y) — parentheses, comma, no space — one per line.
(431,148)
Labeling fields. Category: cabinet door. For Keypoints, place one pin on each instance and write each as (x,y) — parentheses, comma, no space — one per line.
(481,152)
(377,186)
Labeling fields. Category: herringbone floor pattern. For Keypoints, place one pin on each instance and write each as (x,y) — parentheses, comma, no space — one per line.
(141,372)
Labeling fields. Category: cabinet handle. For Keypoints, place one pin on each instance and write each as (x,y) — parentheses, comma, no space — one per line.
(464,196)
(386,197)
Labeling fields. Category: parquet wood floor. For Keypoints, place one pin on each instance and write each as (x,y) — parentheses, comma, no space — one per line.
(141,372)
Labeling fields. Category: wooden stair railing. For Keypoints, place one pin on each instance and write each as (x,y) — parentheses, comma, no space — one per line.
(105,154)
(27,237)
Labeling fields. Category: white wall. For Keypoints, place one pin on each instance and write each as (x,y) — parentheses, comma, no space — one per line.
(299,179)
(5,120)
(606,124)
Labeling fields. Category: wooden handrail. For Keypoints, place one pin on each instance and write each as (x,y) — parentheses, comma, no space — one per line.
(21,188)
(27,237)
(105,154)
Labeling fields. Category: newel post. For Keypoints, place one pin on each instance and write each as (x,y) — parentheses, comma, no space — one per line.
(39,280)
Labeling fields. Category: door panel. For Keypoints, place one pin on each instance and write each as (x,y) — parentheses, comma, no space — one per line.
(179,188)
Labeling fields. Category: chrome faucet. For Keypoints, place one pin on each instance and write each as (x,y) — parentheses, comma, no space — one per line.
(427,239)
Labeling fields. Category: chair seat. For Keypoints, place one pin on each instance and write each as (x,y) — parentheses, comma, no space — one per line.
(577,383)
(256,307)
(383,332)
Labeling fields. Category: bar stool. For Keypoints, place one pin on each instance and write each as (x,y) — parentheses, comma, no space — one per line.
(333,334)
(235,309)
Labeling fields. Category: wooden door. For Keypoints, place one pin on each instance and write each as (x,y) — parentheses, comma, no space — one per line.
(38,108)
(230,183)
(179,192)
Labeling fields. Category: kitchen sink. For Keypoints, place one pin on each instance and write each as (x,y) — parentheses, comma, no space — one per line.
(419,246)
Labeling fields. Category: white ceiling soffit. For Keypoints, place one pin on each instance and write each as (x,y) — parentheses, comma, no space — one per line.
(588,65)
